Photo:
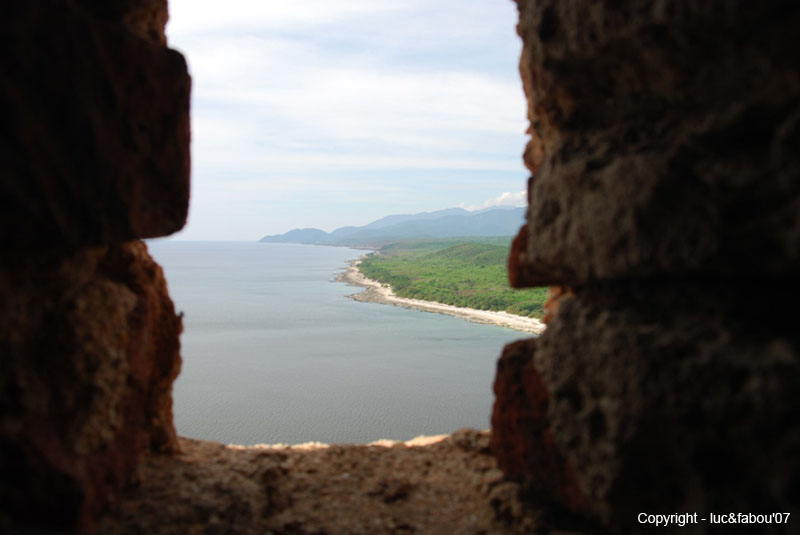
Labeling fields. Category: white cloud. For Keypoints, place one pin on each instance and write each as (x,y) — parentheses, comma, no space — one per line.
(519,198)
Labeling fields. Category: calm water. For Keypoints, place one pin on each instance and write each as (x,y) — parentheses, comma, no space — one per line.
(274,351)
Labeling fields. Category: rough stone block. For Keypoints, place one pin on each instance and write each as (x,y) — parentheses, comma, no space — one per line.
(657,398)
(94,142)
(88,353)
(664,140)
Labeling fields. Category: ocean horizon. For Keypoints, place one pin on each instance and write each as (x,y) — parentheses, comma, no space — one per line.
(275,352)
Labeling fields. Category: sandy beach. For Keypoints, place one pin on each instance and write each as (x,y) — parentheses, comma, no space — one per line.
(376,292)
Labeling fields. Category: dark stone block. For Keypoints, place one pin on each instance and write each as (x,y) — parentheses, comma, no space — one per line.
(664,142)
(94,141)
(657,397)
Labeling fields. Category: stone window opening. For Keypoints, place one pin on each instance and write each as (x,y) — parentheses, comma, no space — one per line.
(664,181)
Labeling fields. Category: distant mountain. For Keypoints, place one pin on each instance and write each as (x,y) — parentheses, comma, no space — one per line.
(450,223)
(390,220)
(302,235)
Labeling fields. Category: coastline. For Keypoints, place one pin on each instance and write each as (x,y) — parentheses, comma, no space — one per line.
(375,292)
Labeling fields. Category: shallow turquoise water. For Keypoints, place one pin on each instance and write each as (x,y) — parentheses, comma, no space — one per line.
(274,351)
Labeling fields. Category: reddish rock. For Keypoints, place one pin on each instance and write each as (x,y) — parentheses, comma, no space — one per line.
(89,352)
(555,295)
(94,144)
(521,435)
(523,271)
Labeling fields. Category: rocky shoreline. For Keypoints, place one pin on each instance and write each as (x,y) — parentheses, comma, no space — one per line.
(376,292)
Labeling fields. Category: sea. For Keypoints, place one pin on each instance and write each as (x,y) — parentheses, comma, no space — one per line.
(274,351)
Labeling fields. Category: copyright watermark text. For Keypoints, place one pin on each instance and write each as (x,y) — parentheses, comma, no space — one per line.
(682,519)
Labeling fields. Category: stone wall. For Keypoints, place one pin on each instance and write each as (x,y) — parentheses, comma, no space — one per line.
(665,193)
(94,148)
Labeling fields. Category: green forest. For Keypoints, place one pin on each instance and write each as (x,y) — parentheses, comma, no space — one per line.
(468,272)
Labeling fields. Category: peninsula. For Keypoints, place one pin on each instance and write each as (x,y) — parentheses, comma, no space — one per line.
(463,278)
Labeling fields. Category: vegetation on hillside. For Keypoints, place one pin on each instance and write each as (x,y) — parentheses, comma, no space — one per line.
(461,272)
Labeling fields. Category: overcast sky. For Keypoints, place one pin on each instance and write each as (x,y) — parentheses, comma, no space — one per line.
(325,113)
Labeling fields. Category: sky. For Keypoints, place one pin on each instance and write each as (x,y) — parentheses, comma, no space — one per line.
(326,113)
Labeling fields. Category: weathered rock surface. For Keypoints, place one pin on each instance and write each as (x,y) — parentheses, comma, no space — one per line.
(94,142)
(449,486)
(666,195)
(664,139)
(674,400)
(89,351)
